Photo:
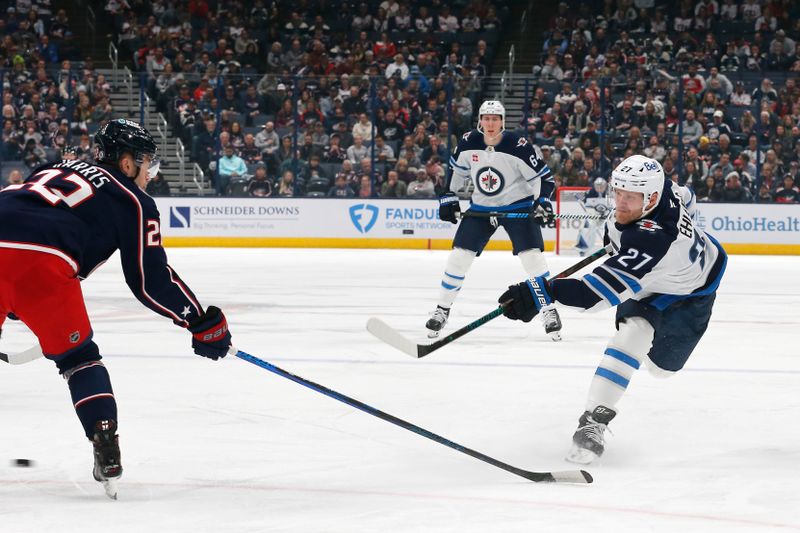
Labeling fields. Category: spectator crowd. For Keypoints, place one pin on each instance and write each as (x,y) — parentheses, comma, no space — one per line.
(52,99)
(709,89)
(326,99)
(368,99)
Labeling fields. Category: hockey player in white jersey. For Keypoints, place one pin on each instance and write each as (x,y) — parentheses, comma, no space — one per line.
(663,278)
(595,202)
(509,175)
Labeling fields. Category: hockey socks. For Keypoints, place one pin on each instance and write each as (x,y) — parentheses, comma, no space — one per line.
(458,264)
(92,396)
(621,359)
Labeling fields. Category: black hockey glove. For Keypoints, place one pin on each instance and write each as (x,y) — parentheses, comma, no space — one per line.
(210,335)
(542,212)
(526,299)
(449,207)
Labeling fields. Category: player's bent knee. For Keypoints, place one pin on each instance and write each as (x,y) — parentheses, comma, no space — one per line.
(634,337)
(657,371)
(85,353)
(533,262)
(460,260)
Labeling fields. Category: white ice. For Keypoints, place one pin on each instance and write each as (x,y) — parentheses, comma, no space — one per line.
(229,447)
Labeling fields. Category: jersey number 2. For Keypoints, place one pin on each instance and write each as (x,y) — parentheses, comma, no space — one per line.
(153,233)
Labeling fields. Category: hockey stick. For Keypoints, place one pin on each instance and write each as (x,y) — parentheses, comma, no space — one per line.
(568,476)
(390,336)
(21,358)
(502,214)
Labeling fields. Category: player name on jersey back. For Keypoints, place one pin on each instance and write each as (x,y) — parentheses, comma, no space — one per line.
(95,175)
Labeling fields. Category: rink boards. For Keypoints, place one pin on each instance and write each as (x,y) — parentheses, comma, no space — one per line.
(414,224)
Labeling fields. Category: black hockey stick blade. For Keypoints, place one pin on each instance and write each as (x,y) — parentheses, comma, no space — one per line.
(21,358)
(568,476)
(392,337)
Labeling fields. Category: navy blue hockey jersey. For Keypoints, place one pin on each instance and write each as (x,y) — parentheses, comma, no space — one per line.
(83,213)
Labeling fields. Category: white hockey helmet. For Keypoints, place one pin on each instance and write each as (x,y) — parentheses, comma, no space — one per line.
(492,107)
(641,174)
(600,184)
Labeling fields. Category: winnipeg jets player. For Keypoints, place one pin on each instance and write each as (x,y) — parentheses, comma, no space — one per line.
(596,202)
(60,225)
(663,277)
(510,175)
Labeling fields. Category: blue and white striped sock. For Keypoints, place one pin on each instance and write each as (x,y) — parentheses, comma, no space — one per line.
(458,264)
(451,284)
(622,357)
(611,378)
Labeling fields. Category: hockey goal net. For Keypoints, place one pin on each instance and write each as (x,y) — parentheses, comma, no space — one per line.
(568,201)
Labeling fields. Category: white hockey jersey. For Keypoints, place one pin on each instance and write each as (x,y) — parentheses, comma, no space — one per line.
(504,176)
(595,203)
(657,260)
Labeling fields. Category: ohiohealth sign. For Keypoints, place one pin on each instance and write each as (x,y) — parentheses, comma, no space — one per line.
(750,223)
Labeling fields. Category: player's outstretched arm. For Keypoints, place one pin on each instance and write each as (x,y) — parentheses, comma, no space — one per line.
(144,263)
(618,279)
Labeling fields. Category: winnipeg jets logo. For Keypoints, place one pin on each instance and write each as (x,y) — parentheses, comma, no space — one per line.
(490,181)
(648,225)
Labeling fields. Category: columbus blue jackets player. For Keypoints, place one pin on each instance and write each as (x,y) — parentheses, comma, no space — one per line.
(663,278)
(55,229)
(508,174)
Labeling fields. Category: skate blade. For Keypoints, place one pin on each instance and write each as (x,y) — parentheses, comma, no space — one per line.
(110,486)
(555,335)
(581,456)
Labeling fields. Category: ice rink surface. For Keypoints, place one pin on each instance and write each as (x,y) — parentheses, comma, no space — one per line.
(229,447)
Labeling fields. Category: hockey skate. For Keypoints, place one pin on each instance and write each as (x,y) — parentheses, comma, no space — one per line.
(437,321)
(588,442)
(107,463)
(552,323)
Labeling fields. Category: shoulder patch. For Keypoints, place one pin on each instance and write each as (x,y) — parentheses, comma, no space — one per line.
(466,136)
(648,225)
(522,141)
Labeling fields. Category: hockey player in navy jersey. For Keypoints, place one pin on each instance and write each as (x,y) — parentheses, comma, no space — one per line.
(663,277)
(509,175)
(58,226)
